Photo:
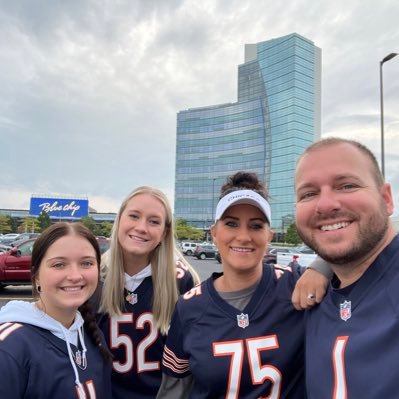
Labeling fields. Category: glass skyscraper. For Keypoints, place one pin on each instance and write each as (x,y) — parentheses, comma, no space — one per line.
(276,117)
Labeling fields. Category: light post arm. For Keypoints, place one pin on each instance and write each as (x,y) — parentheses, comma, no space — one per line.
(385,59)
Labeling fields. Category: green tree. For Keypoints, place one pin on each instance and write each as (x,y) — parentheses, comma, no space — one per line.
(28,225)
(104,229)
(43,221)
(291,236)
(13,223)
(5,226)
(186,232)
(90,223)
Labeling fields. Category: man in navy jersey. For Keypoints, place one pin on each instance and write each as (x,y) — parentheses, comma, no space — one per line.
(342,212)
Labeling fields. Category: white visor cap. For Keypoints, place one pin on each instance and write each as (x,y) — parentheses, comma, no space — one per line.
(243,197)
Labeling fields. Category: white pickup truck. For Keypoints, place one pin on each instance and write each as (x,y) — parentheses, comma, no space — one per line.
(285,258)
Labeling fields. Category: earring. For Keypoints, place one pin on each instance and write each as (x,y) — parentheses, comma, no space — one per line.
(39,288)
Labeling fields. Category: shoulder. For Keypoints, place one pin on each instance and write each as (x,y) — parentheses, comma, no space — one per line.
(185,279)
(18,340)
(192,304)
(15,332)
(282,279)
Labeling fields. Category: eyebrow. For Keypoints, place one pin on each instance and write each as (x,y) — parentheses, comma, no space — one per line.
(65,258)
(337,178)
(140,212)
(236,218)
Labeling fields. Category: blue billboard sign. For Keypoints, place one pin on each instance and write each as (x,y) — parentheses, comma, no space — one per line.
(59,208)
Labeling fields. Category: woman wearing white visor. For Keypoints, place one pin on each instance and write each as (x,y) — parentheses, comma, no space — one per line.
(237,335)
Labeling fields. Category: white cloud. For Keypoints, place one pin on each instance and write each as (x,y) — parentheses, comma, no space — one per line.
(90,90)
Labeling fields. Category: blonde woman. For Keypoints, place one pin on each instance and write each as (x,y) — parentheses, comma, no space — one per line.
(142,283)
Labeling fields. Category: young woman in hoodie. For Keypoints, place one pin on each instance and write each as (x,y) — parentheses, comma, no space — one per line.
(52,348)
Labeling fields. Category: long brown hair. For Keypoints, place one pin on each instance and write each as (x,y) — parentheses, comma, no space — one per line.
(41,246)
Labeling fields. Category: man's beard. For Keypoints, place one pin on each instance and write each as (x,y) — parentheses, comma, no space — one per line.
(370,235)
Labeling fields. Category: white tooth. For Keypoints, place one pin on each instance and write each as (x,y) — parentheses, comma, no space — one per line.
(242,249)
(335,226)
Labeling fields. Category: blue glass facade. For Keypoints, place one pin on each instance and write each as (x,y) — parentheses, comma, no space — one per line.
(276,117)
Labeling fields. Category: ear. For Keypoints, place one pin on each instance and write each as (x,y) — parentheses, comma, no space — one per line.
(213,233)
(386,193)
(271,235)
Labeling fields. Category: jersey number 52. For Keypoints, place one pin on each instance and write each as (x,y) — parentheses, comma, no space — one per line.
(118,339)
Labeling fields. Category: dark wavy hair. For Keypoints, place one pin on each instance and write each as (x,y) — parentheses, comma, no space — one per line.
(244,181)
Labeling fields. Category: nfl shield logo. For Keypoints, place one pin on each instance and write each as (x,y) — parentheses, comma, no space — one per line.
(78,358)
(242,320)
(345,310)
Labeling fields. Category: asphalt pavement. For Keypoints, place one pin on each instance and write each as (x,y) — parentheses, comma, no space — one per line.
(204,267)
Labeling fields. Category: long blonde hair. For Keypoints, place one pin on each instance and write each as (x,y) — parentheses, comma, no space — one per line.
(163,268)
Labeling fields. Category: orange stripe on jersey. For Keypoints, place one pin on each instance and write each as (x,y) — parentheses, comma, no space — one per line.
(171,361)
(7,328)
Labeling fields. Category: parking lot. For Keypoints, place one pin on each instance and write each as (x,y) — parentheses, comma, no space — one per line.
(204,267)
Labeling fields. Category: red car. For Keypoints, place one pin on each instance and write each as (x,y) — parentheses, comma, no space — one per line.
(15,264)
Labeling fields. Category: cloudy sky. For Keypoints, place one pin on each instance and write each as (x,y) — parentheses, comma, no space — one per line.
(89,90)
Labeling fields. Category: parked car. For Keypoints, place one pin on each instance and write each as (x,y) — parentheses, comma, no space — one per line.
(4,248)
(205,251)
(7,239)
(21,240)
(27,236)
(271,254)
(15,264)
(304,249)
(188,248)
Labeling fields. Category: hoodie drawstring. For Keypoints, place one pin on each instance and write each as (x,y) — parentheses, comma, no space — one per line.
(82,342)
(72,360)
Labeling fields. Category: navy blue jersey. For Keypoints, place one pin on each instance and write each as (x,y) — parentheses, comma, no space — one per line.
(34,364)
(352,339)
(232,354)
(136,343)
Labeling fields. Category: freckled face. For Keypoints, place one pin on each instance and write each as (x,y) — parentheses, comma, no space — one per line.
(242,236)
(142,226)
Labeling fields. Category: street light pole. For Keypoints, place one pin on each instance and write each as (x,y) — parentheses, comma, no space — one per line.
(387,58)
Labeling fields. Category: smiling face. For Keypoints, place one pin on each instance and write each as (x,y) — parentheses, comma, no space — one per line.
(341,211)
(242,236)
(141,227)
(67,276)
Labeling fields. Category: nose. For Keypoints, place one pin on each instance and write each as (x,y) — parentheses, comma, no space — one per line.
(243,234)
(74,273)
(327,201)
(141,225)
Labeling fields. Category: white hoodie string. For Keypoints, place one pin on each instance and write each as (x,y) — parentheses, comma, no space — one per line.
(71,359)
(82,342)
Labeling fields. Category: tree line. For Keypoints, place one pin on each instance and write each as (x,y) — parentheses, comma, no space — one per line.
(184,231)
